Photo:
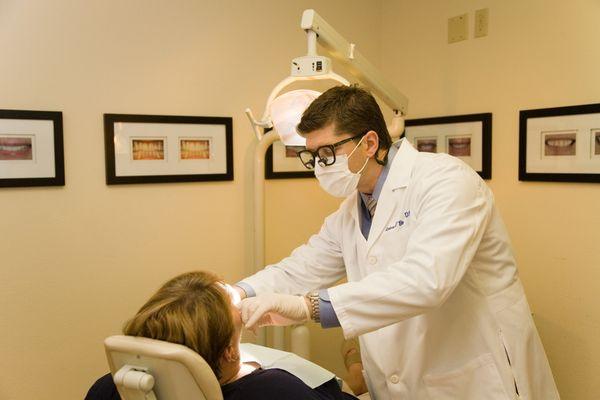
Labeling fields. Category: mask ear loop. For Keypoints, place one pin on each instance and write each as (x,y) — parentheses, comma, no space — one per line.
(366,161)
(356,147)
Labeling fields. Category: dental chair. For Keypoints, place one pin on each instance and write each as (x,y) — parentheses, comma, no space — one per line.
(148,369)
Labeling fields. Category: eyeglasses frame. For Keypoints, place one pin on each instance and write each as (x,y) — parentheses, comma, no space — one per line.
(315,154)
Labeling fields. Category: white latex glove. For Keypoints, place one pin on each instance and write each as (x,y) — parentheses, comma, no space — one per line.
(274,309)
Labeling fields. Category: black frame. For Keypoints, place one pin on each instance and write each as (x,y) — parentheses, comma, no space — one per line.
(331,147)
(524,115)
(270,174)
(486,134)
(109,147)
(59,157)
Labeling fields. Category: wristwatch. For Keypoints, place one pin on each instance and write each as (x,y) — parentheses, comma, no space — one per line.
(313,298)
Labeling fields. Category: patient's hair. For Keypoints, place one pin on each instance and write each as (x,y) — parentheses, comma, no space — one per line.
(192,309)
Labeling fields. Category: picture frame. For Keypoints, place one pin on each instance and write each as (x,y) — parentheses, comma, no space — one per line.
(31,148)
(560,144)
(167,148)
(468,137)
(282,162)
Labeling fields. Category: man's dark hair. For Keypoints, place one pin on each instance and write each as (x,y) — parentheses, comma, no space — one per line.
(350,109)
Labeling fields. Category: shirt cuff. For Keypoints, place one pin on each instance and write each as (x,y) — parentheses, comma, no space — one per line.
(247,288)
(326,312)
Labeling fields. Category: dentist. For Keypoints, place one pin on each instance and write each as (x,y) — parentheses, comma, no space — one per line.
(433,292)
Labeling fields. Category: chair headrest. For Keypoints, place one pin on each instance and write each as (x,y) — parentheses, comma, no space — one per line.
(179,372)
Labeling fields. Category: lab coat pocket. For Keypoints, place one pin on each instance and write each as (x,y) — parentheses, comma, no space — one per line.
(478,379)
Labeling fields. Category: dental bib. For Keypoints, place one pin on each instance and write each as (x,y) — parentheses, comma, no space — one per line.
(309,373)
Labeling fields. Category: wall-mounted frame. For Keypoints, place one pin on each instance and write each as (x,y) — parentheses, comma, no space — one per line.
(468,137)
(167,148)
(31,148)
(282,162)
(560,144)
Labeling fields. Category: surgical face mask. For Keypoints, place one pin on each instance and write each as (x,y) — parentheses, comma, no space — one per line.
(337,179)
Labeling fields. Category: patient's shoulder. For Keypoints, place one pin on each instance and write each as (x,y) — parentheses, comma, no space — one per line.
(103,389)
(271,384)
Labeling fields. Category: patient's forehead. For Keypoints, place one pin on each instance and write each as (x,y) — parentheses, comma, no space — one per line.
(234,304)
(233,294)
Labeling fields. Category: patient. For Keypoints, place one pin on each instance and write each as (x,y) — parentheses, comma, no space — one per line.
(195,309)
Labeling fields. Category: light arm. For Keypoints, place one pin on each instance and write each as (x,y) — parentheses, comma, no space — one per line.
(346,53)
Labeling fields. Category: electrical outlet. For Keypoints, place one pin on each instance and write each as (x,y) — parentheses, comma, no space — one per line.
(481,22)
(458,28)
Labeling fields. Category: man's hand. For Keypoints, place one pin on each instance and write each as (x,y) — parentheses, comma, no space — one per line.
(274,309)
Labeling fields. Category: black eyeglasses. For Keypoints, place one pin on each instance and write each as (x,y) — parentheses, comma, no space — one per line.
(325,154)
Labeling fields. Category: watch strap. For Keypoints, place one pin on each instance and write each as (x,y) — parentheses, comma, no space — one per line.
(313,298)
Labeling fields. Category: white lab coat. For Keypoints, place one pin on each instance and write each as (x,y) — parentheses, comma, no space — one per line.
(433,293)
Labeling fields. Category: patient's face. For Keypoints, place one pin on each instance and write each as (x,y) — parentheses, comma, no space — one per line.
(237,318)
(235,311)
(231,360)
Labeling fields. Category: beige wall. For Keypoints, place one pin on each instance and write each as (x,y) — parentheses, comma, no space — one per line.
(78,260)
(538,54)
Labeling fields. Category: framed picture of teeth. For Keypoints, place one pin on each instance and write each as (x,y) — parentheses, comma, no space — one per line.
(31,148)
(282,162)
(560,144)
(167,148)
(468,137)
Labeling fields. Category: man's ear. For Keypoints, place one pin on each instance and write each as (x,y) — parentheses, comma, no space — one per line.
(372,143)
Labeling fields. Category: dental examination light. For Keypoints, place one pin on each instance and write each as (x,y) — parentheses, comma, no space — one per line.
(316,67)
(283,112)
